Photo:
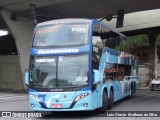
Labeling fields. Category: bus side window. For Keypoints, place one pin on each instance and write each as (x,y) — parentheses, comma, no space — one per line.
(127,70)
(124,70)
(97,45)
(120,74)
(110,72)
(110,38)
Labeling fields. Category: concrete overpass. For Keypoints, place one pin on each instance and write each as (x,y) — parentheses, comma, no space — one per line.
(14,64)
(78,8)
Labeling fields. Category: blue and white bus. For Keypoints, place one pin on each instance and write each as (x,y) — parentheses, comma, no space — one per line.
(73,69)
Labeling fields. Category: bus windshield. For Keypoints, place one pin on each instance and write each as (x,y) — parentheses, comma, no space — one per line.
(59,71)
(61,34)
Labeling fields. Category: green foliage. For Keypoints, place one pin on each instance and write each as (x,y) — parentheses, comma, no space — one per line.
(158,38)
(132,44)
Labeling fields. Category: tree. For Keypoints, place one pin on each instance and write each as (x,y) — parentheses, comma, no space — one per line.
(132,44)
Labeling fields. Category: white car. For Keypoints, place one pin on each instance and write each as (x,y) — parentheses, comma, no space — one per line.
(155,84)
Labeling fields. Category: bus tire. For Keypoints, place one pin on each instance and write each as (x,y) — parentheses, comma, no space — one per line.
(110,100)
(104,102)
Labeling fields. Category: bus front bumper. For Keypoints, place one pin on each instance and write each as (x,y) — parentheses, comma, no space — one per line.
(84,104)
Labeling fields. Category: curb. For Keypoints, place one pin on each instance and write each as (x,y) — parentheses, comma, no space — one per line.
(14,90)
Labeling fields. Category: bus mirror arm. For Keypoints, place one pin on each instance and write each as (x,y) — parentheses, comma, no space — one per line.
(26,78)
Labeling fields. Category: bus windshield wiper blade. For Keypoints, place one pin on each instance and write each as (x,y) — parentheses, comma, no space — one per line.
(39,86)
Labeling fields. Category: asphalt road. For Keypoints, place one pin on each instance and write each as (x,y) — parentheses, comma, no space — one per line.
(145,100)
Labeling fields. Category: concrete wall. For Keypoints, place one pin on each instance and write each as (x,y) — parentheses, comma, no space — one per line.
(10,73)
(145,73)
(158,69)
(21,29)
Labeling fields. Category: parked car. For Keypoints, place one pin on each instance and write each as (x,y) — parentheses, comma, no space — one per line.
(155,84)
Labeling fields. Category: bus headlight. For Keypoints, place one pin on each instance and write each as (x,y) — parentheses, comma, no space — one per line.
(81,96)
(35,97)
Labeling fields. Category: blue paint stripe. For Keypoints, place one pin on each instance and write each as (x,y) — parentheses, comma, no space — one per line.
(118,57)
(60,51)
(111,51)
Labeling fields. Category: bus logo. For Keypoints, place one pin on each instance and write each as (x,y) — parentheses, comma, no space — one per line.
(56,51)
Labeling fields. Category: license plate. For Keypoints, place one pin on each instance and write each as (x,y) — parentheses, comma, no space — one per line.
(56,105)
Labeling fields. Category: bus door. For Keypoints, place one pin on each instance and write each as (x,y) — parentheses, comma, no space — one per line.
(95,90)
(111,77)
(124,83)
(125,86)
(125,72)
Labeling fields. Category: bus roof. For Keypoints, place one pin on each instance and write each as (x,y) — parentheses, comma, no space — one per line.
(69,20)
(77,20)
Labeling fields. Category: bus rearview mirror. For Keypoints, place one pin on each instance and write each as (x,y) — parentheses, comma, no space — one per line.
(26,77)
(96,76)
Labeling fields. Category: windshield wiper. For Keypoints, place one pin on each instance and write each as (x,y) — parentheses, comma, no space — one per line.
(39,86)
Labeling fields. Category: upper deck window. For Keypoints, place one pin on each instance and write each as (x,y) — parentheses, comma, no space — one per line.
(61,34)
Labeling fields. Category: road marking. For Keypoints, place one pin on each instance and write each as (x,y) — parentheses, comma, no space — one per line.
(18,99)
(13,96)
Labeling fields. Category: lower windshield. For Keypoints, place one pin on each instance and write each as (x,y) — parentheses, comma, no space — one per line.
(43,69)
(59,72)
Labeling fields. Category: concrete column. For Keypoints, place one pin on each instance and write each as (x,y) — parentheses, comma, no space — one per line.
(10,74)
(153,58)
(21,29)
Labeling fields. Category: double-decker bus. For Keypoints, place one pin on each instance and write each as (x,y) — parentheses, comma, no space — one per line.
(73,69)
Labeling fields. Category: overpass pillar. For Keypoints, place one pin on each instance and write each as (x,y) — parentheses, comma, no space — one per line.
(21,28)
(153,58)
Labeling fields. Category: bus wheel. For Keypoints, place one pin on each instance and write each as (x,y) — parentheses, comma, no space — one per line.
(110,100)
(104,102)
